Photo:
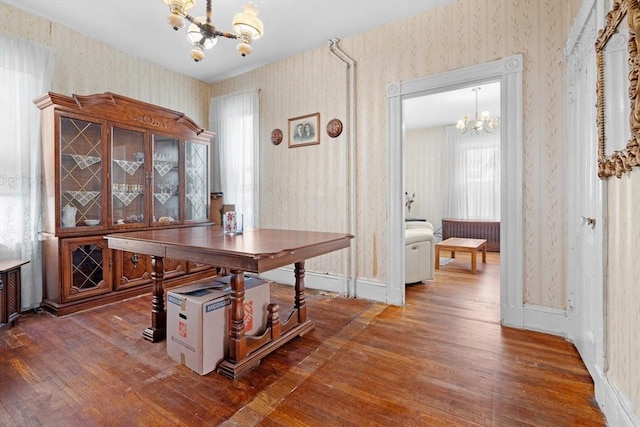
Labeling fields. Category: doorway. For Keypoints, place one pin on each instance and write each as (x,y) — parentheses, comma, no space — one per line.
(508,72)
(450,171)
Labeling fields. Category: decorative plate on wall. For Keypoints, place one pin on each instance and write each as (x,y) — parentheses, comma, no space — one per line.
(334,128)
(276,136)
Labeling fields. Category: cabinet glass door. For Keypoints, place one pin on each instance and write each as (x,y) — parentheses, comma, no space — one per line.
(80,173)
(88,271)
(166,180)
(128,177)
(197,181)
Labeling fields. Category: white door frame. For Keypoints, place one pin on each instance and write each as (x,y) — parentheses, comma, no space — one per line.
(586,297)
(508,71)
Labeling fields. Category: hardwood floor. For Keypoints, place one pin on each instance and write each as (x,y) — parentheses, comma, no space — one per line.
(442,359)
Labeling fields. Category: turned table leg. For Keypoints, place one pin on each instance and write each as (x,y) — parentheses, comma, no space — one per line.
(237,339)
(300,304)
(157,331)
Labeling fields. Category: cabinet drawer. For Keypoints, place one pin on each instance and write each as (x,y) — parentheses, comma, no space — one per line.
(130,269)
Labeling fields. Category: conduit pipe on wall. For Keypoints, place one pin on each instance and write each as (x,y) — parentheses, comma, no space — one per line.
(350,74)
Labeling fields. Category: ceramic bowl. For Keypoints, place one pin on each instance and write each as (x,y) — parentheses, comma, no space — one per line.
(92,222)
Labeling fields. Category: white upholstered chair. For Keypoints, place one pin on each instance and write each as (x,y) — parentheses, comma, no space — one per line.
(419,251)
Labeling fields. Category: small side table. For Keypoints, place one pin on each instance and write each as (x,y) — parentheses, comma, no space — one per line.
(10,292)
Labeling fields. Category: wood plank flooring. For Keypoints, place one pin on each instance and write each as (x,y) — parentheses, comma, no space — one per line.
(441,360)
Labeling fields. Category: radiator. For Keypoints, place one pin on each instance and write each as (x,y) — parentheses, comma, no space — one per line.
(473,229)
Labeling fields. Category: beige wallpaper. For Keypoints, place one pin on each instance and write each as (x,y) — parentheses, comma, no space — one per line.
(454,36)
(623,284)
(85,66)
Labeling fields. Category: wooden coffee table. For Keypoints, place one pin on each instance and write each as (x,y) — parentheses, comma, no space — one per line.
(459,244)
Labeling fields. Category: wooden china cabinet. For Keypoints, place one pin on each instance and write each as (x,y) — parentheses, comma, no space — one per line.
(113,164)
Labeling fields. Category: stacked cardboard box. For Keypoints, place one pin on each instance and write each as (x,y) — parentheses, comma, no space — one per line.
(199,316)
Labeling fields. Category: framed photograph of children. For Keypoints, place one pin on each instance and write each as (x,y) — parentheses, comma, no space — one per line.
(304,130)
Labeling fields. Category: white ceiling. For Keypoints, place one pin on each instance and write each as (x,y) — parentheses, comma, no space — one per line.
(139,27)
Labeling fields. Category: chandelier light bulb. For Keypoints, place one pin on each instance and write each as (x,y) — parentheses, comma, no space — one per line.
(244,48)
(246,23)
(179,7)
(203,35)
(176,21)
(197,54)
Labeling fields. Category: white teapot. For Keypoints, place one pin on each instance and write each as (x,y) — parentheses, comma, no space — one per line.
(69,216)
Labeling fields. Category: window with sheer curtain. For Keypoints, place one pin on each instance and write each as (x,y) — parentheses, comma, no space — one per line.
(234,120)
(473,175)
(26,72)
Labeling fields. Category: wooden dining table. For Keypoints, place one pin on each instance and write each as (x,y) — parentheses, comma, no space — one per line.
(254,251)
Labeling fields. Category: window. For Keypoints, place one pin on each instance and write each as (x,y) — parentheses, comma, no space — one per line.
(26,72)
(473,178)
(234,120)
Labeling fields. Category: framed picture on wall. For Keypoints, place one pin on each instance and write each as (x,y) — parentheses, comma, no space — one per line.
(304,130)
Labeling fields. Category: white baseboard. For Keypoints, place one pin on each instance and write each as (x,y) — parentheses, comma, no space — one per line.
(512,317)
(545,319)
(617,409)
(536,318)
(369,290)
(323,282)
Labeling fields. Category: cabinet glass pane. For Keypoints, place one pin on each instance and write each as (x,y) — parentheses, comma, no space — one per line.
(80,172)
(127,177)
(87,267)
(166,179)
(197,179)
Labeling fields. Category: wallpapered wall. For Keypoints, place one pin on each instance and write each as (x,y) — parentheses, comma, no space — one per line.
(462,34)
(85,66)
(623,284)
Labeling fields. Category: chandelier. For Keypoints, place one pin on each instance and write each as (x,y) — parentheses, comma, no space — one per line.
(203,35)
(483,122)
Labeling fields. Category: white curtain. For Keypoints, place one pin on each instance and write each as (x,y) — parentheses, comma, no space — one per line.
(26,72)
(234,119)
(473,175)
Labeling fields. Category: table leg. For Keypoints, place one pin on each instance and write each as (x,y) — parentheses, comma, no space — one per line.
(474,259)
(300,304)
(245,352)
(484,253)
(237,338)
(437,257)
(158,329)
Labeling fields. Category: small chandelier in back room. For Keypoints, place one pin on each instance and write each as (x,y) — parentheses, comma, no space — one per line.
(483,122)
(203,35)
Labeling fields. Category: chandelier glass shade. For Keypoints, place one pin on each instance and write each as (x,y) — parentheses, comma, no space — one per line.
(203,35)
(482,122)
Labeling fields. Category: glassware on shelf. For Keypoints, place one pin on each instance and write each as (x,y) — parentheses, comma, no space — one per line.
(127,193)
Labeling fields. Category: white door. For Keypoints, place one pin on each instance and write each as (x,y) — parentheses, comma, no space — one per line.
(585,266)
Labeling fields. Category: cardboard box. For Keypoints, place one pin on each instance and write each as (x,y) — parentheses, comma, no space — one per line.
(256,300)
(198,319)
